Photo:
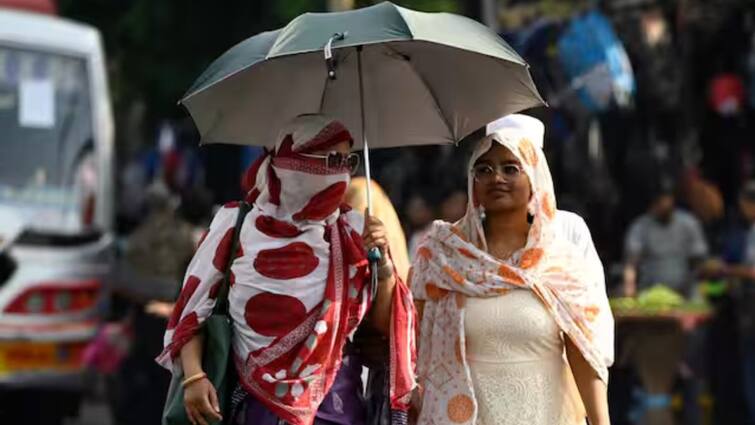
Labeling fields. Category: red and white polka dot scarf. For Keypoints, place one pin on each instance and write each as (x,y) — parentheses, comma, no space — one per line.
(300,281)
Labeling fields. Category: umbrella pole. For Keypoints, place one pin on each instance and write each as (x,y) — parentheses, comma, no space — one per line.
(364,135)
(374,256)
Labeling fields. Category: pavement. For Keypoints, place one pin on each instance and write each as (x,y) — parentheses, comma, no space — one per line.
(93,412)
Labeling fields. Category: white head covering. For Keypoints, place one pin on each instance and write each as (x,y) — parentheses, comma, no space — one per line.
(518,126)
(523,136)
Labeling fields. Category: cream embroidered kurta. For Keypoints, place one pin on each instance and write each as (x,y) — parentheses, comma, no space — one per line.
(453,266)
(515,353)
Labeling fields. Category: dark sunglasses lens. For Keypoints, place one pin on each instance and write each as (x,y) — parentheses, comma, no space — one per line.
(337,161)
(334,160)
(352,162)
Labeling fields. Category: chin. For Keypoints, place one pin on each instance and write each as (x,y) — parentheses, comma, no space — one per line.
(500,206)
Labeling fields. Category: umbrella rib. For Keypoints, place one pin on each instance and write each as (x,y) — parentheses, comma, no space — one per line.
(437,105)
(216,82)
(429,90)
(531,87)
(211,84)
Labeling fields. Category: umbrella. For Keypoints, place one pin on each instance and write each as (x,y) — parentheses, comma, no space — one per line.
(392,75)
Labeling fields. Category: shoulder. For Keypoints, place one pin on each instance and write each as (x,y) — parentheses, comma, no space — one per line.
(570,221)
(438,230)
(226,215)
(685,218)
(572,226)
(440,227)
(640,223)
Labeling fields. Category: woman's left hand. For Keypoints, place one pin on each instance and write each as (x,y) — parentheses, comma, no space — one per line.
(374,235)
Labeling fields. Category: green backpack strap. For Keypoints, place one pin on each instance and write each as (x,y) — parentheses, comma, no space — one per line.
(221,303)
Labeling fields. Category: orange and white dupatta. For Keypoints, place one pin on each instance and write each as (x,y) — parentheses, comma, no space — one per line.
(453,264)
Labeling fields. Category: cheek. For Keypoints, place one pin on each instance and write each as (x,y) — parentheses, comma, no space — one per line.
(478,193)
(523,198)
(524,190)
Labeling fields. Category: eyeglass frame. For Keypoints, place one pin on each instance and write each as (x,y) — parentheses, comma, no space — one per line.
(344,160)
(499,171)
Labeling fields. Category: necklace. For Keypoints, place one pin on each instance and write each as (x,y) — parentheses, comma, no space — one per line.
(506,252)
(502,254)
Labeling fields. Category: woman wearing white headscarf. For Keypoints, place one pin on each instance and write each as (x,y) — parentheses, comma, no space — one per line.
(516,326)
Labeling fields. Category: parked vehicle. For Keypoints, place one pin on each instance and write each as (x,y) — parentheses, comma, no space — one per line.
(56,208)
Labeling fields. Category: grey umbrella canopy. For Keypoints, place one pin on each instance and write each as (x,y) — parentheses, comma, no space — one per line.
(397,77)
(393,76)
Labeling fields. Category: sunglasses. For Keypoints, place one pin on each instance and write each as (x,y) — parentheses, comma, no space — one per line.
(338,161)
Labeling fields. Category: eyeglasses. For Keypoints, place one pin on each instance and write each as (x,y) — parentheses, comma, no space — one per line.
(485,173)
(338,161)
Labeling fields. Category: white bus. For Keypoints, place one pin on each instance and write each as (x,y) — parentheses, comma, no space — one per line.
(56,206)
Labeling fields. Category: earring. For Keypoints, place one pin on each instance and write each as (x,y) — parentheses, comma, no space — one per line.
(482,214)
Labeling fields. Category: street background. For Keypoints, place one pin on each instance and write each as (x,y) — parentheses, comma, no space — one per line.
(647,98)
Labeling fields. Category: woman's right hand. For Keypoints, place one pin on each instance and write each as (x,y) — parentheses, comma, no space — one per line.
(201,402)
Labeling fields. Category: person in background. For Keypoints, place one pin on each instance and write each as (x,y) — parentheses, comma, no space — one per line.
(420,217)
(740,268)
(453,207)
(369,344)
(382,208)
(155,256)
(161,247)
(663,245)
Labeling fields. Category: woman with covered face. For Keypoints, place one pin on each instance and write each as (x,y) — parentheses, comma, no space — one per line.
(515,322)
(300,288)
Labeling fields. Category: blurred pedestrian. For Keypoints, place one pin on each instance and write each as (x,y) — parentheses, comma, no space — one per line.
(452,208)
(745,267)
(382,208)
(162,245)
(299,290)
(420,216)
(667,246)
(742,270)
(499,291)
(371,345)
(663,245)
(155,256)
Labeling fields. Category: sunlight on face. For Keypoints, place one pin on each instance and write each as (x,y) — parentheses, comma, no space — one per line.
(502,194)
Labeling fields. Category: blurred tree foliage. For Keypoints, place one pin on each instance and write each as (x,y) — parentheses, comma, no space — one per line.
(453,6)
(155,49)
(513,14)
